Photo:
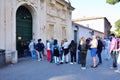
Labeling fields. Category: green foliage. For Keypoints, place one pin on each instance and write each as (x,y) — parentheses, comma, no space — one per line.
(112,1)
(117,23)
(117,26)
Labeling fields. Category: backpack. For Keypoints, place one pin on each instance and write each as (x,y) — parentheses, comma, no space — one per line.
(56,50)
(73,48)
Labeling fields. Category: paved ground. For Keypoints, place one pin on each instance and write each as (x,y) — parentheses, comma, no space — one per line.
(28,69)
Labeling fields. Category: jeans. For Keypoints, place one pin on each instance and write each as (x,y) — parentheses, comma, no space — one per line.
(79,57)
(61,54)
(33,54)
(113,55)
(51,56)
(99,55)
(118,61)
(26,52)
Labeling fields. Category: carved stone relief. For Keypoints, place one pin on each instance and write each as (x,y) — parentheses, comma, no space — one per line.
(56,12)
(52,11)
(42,1)
(42,4)
(53,2)
(33,2)
(50,18)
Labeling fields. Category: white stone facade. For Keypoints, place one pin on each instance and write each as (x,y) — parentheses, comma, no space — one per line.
(45,14)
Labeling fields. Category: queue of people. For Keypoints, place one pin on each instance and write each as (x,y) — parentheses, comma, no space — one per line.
(59,53)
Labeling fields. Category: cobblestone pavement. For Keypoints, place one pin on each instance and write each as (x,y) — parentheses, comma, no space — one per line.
(28,69)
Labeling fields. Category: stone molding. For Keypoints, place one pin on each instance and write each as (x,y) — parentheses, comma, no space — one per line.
(56,12)
(29,2)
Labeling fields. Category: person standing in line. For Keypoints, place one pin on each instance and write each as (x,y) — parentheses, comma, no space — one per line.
(39,48)
(66,51)
(93,46)
(99,50)
(61,51)
(48,50)
(56,51)
(113,47)
(118,59)
(107,49)
(51,45)
(83,49)
(25,47)
(73,49)
(32,49)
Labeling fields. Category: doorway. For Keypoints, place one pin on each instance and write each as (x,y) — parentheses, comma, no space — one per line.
(23,29)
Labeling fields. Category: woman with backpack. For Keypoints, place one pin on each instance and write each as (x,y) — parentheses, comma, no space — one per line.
(65,46)
(56,51)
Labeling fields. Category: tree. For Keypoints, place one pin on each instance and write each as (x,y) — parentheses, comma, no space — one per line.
(117,23)
(117,26)
(112,1)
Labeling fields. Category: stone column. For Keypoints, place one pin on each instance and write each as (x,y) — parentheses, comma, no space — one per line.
(2,25)
(69,26)
(11,53)
(43,20)
(36,23)
(8,26)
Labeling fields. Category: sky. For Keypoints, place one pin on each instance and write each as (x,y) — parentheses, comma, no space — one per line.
(96,8)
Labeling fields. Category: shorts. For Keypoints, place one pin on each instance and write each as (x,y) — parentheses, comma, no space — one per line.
(93,52)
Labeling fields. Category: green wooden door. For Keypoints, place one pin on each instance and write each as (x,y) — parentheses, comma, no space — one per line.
(23,28)
(75,36)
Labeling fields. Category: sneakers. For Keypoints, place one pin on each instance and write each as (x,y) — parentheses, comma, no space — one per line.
(71,62)
(83,68)
(57,63)
(61,62)
(39,59)
(66,62)
(117,71)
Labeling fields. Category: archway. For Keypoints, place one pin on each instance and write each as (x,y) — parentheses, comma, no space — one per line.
(23,28)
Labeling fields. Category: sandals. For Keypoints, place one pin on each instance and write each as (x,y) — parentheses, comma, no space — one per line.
(93,66)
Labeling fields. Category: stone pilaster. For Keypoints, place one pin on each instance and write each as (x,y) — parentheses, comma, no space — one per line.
(2,24)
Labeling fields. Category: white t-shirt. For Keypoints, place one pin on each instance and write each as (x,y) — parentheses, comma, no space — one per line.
(65,45)
(48,46)
(94,43)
